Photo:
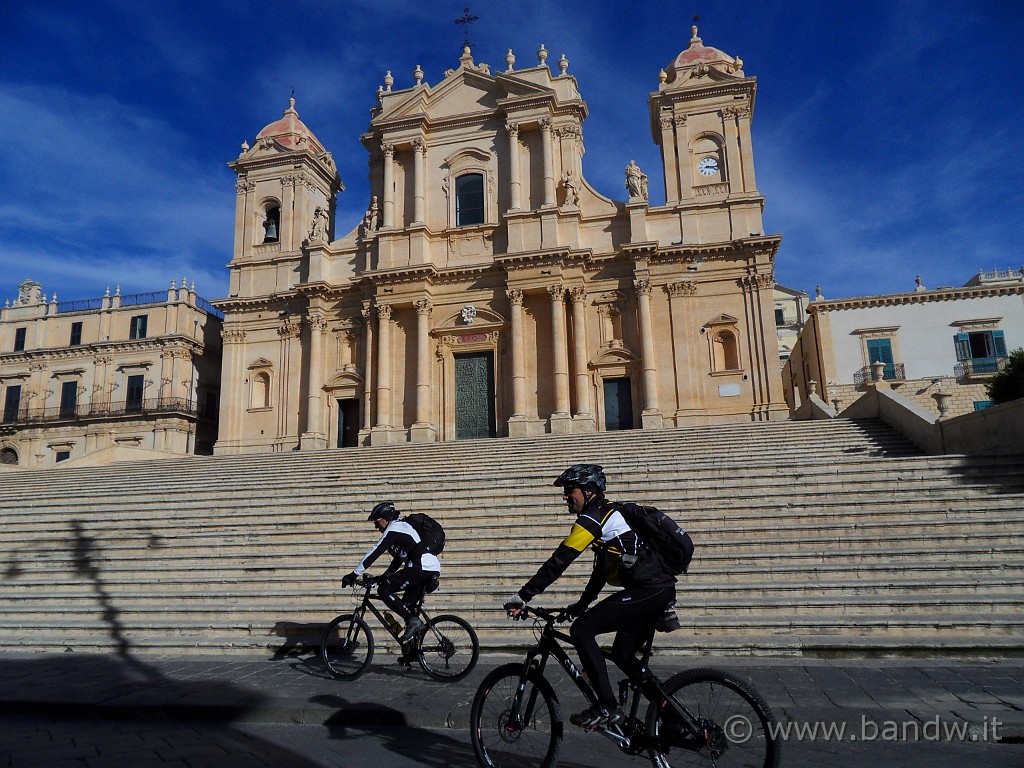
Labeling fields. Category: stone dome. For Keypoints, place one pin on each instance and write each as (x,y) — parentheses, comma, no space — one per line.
(697,54)
(289,131)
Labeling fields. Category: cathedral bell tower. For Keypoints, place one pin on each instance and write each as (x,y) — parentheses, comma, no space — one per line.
(287,184)
(700,117)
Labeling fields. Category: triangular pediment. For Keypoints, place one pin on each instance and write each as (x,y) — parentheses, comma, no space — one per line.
(260,362)
(719,320)
(464,93)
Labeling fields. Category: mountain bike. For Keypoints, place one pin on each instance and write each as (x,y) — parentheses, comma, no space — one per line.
(446,648)
(697,717)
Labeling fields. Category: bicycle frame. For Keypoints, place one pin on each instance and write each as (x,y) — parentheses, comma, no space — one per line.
(549,646)
(367,604)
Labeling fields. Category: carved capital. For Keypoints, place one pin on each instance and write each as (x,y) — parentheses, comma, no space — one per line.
(383,311)
(244,186)
(317,323)
(423,306)
(419,145)
(289,329)
(665,121)
(556,292)
(682,288)
(679,120)
(642,287)
(233,335)
(388,150)
(513,130)
(578,294)
(736,112)
(545,125)
(515,297)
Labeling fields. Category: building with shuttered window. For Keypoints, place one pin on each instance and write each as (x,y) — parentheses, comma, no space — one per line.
(116,377)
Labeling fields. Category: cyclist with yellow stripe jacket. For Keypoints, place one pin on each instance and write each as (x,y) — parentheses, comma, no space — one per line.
(621,559)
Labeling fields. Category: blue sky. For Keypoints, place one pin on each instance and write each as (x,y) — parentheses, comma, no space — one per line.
(886,134)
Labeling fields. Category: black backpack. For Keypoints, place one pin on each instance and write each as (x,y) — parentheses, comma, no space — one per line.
(431,532)
(661,533)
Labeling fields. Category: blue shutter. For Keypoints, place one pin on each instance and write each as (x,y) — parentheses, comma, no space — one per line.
(999,341)
(880,351)
(962,343)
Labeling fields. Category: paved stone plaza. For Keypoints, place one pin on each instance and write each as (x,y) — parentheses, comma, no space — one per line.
(84,710)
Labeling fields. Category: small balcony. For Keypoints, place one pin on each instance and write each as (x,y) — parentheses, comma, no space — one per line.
(891,372)
(979,367)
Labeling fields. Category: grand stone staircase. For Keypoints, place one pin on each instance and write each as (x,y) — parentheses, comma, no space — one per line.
(827,537)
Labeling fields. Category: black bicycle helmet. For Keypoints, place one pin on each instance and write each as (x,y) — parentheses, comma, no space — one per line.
(589,477)
(386,510)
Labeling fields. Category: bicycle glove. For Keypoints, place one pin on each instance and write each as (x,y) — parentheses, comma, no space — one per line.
(349,579)
(513,603)
(576,610)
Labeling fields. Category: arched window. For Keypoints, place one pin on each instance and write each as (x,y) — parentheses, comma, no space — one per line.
(726,355)
(261,390)
(469,199)
(709,159)
(8,456)
(272,225)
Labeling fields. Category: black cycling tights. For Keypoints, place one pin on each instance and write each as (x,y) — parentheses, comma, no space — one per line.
(413,582)
(629,614)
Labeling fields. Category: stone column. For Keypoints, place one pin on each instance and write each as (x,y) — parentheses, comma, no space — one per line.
(732,151)
(690,399)
(578,295)
(561,419)
(389,185)
(367,364)
(651,415)
(548,156)
(515,299)
(314,437)
(671,161)
(383,375)
(419,152)
(423,430)
(287,418)
(514,170)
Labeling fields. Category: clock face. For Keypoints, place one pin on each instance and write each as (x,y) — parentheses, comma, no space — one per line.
(708,166)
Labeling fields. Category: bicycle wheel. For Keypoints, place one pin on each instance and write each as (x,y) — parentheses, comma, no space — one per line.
(448,649)
(346,647)
(532,741)
(739,727)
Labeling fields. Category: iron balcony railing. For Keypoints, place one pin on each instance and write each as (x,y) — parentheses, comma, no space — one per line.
(81,411)
(79,305)
(979,366)
(892,372)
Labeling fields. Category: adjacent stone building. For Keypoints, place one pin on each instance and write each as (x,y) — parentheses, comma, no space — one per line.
(932,346)
(489,289)
(95,380)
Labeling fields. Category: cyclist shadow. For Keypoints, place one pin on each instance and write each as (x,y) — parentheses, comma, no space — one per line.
(313,666)
(438,749)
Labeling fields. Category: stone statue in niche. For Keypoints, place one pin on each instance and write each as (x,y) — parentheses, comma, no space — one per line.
(572,194)
(370,217)
(636,181)
(320,221)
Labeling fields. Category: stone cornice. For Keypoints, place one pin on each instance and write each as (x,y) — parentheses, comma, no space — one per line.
(916,297)
(83,351)
(253,303)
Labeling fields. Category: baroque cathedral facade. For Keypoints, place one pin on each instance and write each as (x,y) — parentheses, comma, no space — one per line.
(489,290)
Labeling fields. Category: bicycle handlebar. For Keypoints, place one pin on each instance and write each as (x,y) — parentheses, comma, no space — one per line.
(548,615)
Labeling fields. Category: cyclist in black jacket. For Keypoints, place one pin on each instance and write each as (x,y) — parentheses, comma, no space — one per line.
(621,559)
(413,571)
